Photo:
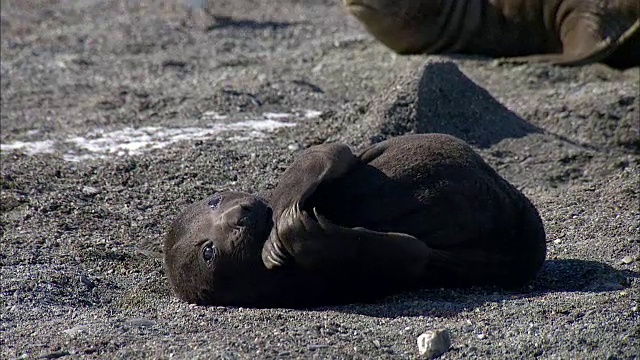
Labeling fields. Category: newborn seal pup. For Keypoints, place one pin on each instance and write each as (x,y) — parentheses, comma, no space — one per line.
(414,211)
(562,32)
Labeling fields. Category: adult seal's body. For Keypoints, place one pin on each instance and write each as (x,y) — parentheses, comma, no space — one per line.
(563,32)
(412,212)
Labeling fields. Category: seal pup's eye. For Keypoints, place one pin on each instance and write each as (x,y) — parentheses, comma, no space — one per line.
(213,203)
(209,252)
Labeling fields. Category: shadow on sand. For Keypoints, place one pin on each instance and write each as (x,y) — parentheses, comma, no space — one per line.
(447,101)
(222,22)
(565,275)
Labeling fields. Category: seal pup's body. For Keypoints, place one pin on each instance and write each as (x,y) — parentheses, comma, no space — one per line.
(415,211)
(563,32)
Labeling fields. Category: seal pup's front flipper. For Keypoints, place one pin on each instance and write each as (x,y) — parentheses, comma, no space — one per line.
(320,246)
(312,167)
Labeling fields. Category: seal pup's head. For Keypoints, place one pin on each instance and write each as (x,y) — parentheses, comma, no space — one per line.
(212,253)
(405,26)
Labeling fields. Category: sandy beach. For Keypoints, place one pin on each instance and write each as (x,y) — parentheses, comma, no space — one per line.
(117,114)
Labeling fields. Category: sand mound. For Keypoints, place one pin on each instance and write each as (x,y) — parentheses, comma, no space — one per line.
(441,99)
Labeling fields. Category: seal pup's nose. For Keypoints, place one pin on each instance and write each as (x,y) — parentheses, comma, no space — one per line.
(238,215)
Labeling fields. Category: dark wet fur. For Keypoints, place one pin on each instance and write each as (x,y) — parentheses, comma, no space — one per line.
(478,230)
(450,199)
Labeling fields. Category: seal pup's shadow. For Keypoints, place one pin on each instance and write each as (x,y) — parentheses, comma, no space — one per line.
(562,275)
(447,101)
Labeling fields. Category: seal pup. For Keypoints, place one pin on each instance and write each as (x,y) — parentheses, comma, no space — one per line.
(562,32)
(414,211)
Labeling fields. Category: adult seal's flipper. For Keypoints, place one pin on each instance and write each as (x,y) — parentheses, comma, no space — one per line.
(582,47)
(312,167)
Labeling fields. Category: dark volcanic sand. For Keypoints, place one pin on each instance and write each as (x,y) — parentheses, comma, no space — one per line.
(80,275)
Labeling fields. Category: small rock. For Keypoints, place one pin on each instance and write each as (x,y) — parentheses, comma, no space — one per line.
(293,147)
(76,330)
(434,343)
(141,322)
(467,328)
(56,354)
(482,336)
(91,191)
(18,214)
(627,260)
(376,343)
(87,282)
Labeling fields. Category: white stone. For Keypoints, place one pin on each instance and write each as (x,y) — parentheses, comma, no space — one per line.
(627,260)
(434,343)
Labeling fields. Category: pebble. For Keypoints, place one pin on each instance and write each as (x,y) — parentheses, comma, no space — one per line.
(434,343)
(141,322)
(467,328)
(76,330)
(91,191)
(18,214)
(55,355)
(627,260)
(87,282)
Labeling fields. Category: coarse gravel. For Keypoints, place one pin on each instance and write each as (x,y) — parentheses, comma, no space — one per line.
(80,257)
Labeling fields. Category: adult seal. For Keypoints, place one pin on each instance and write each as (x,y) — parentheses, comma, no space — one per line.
(562,32)
(415,211)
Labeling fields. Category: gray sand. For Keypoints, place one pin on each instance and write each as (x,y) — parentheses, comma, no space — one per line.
(80,274)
